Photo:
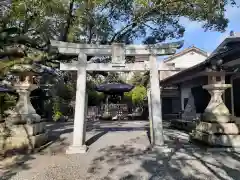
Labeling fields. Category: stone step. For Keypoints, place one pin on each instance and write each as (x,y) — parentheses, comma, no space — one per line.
(217,140)
(218,128)
(183,124)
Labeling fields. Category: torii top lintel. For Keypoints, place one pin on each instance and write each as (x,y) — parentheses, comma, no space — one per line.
(104,50)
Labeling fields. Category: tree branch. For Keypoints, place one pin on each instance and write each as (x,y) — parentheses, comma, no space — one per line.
(135,22)
(64,33)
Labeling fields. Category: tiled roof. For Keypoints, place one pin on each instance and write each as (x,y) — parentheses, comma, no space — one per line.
(230,53)
(192,48)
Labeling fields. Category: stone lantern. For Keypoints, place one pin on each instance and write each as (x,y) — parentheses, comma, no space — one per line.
(27,127)
(217,126)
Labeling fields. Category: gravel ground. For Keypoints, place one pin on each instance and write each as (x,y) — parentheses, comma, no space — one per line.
(119,151)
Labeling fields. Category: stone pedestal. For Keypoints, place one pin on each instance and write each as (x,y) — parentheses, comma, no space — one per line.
(23,128)
(217,127)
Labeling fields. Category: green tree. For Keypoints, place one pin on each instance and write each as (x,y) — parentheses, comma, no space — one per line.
(137,95)
(136,79)
(140,78)
(114,77)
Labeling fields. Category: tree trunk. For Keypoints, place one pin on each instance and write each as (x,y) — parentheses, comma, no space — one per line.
(64,34)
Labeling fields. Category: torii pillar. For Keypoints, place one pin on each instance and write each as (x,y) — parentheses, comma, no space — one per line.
(156,105)
(79,129)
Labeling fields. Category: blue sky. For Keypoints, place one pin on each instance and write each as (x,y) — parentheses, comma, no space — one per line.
(208,41)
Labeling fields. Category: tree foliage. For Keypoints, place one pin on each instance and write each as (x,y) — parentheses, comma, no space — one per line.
(27,26)
(107,21)
(137,95)
(30,24)
(114,77)
(95,98)
(140,78)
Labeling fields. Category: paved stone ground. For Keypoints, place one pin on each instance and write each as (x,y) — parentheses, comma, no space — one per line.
(118,151)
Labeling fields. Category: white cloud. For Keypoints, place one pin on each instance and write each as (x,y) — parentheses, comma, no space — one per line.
(189,25)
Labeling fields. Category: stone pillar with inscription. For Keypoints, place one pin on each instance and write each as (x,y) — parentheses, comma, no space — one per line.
(217,127)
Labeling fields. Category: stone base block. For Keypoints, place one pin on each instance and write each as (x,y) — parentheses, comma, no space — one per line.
(183,124)
(76,149)
(39,139)
(31,142)
(22,136)
(27,136)
(222,140)
(35,118)
(28,129)
(218,128)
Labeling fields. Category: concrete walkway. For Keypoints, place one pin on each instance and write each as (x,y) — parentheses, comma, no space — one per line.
(119,151)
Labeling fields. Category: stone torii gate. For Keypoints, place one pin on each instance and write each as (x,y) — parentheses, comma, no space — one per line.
(118,52)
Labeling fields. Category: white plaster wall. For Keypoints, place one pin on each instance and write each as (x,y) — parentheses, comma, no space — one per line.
(187,60)
(165,74)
